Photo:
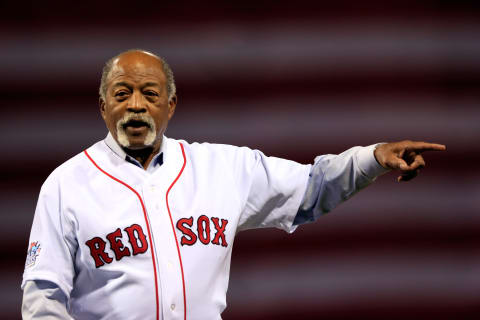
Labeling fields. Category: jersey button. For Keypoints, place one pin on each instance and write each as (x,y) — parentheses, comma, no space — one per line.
(172,306)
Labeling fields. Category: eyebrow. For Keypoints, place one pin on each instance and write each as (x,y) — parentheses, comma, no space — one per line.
(125,84)
(122,84)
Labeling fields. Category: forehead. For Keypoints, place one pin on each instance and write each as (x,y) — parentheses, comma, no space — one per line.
(137,67)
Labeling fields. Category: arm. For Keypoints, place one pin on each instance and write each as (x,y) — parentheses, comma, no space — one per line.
(335,178)
(270,189)
(52,248)
(43,300)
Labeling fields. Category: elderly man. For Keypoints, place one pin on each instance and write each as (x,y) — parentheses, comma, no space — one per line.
(140,226)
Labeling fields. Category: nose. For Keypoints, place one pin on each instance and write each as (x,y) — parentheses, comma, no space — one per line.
(136,103)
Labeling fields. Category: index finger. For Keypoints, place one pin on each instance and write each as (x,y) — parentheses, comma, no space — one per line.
(426,146)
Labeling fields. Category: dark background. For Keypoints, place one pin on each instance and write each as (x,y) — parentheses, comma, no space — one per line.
(294,79)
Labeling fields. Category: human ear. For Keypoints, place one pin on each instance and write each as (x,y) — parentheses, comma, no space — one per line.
(172,104)
(101,104)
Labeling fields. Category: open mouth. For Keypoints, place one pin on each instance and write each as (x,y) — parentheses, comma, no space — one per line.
(136,124)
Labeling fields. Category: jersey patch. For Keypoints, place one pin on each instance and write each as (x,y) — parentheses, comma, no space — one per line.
(32,254)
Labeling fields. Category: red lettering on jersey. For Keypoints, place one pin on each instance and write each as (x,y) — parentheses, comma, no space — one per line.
(117,245)
(220,232)
(203,229)
(187,232)
(97,251)
(135,234)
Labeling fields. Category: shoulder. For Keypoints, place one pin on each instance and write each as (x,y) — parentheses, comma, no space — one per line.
(71,170)
(216,151)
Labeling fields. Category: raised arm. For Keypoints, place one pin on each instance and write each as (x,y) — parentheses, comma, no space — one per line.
(336,178)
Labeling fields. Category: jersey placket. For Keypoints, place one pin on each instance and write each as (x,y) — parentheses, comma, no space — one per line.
(155,193)
(168,265)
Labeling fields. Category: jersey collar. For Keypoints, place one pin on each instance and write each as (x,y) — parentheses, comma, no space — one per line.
(156,162)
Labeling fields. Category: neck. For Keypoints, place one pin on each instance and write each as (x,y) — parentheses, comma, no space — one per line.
(144,156)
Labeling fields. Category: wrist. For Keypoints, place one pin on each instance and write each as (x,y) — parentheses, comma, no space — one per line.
(368,163)
(376,154)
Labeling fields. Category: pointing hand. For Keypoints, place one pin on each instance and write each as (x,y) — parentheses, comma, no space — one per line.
(405,156)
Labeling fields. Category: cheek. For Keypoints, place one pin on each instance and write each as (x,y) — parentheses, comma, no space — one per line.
(161,118)
(111,120)
(114,114)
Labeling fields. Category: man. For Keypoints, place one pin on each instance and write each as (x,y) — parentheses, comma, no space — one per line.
(140,226)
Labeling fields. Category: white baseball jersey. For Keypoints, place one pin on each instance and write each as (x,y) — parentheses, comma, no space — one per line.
(125,243)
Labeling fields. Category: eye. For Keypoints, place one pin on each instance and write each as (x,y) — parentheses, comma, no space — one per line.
(121,94)
(150,93)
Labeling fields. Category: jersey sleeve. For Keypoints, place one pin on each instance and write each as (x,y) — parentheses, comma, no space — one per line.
(336,178)
(43,300)
(51,248)
(271,188)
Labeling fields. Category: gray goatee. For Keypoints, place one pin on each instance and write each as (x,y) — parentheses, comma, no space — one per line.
(122,135)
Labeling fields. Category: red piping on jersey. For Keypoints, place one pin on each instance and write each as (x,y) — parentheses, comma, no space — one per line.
(175,234)
(146,221)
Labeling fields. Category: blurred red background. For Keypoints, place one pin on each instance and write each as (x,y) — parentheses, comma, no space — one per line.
(293,79)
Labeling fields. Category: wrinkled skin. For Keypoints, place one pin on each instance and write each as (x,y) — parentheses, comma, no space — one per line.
(136,87)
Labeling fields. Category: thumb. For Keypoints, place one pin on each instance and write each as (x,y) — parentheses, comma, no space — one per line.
(398,163)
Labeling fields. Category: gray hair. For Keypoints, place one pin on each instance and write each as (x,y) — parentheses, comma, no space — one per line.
(171,88)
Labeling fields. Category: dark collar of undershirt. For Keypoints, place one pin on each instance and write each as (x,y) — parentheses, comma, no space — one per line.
(156,161)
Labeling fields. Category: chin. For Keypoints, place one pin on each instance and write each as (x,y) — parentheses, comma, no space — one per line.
(136,142)
(133,146)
